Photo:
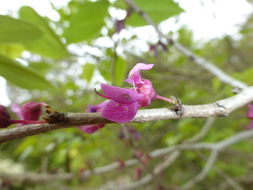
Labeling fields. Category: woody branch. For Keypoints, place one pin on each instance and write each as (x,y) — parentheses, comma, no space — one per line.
(219,108)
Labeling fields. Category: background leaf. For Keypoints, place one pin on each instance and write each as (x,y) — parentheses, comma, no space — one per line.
(17,31)
(120,71)
(158,10)
(86,21)
(21,76)
(50,44)
(88,70)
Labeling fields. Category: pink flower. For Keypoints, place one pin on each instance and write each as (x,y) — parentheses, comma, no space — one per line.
(250,126)
(93,128)
(29,111)
(123,104)
(143,86)
(129,131)
(250,111)
(250,116)
(119,25)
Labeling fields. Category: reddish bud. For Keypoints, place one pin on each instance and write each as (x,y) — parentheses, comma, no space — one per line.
(138,173)
(5,119)
(121,164)
(29,111)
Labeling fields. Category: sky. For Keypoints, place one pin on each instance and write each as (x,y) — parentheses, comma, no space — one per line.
(206,18)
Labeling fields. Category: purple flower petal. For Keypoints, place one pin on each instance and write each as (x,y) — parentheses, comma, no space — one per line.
(135,134)
(148,93)
(120,24)
(29,111)
(17,109)
(121,95)
(96,108)
(93,109)
(250,111)
(91,128)
(134,76)
(250,126)
(117,112)
(5,119)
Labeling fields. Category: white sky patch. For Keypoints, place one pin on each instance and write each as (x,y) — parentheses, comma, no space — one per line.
(213,18)
(43,7)
(4,100)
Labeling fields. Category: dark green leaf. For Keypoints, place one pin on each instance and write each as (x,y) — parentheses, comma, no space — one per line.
(86,21)
(158,10)
(50,44)
(88,70)
(17,31)
(21,76)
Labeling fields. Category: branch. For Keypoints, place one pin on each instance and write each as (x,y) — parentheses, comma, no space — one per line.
(198,60)
(210,162)
(216,109)
(230,181)
(157,170)
(218,146)
(208,124)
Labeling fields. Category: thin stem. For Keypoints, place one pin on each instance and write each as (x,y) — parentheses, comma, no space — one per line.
(164,99)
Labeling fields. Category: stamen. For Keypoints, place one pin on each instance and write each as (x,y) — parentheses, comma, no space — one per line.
(165,99)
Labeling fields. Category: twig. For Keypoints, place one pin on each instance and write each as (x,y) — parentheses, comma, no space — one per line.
(200,61)
(228,179)
(203,132)
(210,162)
(157,170)
(216,109)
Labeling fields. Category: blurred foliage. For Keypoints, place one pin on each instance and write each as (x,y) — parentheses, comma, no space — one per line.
(83,49)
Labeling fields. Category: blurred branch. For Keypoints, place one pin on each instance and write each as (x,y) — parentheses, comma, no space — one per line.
(210,67)
(157,170)
(209,165)
(203,132)
(230,181)
(214,147)
(219,108)
(171,157)
(33,178)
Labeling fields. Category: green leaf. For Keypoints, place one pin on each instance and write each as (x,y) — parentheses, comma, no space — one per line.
(17,31)
(246,75)
(120,71)
(11,50)
(86,21)
(158,10)
(41,66)
(88,70)
(49,44)
(105,69)
(21,76)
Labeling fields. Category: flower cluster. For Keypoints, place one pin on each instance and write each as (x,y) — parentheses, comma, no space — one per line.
(28,113)
(123,103)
